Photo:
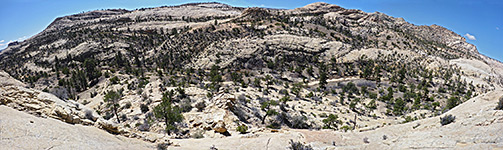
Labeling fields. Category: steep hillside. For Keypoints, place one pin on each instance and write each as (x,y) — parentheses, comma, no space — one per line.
(209,70)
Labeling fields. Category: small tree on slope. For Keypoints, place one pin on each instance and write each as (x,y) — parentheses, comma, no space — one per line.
(168,113)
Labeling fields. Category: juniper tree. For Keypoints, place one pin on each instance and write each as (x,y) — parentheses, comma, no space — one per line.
(399,106)
(168,113)
(452,102)
(323,75)
(266,106)
(215,77)
(112,99)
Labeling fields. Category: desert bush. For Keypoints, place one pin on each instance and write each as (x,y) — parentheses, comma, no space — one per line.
(351,88)
(266,106)
(285,99)
(323,115)
(399,106)
(127,105)
(299,146)
(274,125)
(452,102)
(144,108)
(283,91)
(242,129)
(345,128)
(447,119)
(89,114)
(124,117)
(242,98)
(408,119)
(162,146)
(299,122)
(200,106)
(114,80)
(310,94)
(198,134)
(500,104)
(331,122)
(181,93)
(185,105)
(145,126)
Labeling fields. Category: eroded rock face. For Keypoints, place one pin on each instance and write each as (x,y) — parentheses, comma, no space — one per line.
(46,105)
(42,104)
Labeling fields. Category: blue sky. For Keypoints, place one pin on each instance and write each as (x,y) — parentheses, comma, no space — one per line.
(480,21)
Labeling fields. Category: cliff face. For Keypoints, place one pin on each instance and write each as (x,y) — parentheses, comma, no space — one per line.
(320,66)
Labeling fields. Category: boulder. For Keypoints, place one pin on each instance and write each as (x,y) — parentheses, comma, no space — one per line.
(220,127)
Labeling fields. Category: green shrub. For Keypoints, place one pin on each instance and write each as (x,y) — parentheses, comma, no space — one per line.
(351,89)
(331,122)
(399,106)
(274,125)
(114,80)
(345,128)
(452,102)
(310,94)
(408,119)
(373,95)
(372,105)
(242,129)
(285,99)
(266,106)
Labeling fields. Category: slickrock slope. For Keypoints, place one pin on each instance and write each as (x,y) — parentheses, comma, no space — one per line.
(477,126)
(20,130)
